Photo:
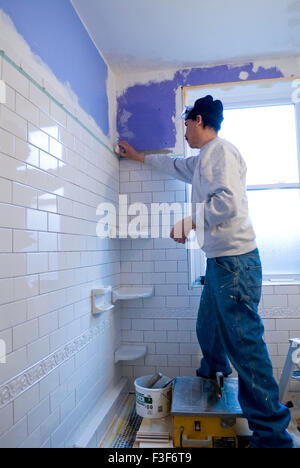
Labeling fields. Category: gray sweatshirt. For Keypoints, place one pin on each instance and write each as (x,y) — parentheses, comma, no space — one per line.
(218,178)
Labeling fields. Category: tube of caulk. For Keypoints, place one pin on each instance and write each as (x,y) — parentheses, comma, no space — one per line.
(152,381)
(119,149)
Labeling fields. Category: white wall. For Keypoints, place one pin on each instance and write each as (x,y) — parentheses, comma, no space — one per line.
(53,174)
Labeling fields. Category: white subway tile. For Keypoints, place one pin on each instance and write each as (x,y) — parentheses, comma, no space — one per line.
(294,300)
(178,337)
(288,324)
(6,418)
(164,197)
(26,152)
(13,123)
(165,324)
(153,278)
(142,324)
(36,220)
(25,241)
(24,334)
(178,301)
(15,79)
(166,266)
(10,98)
(6,291)
(276,300)
(167,348)
(13,169)
(37,263)
(6,337)
(47,125)
(153,186)
(276,337)
(5,191)
(132,336)
(166,290)
(186,324)
(287,289)
(47,241)
(25,287)
(15,436)
(24,196)
(5,240)
(180,360)
(156,360)
(12,264)
(27,110)
(155,336)
(38,350)
(48,323)
(24,403)
(6,142)
(58,114)
(38,414)
(47,202)
(143,267)
(129,187)
(48,163)
(57,149)
(39,98)
(65,316)
(38,138)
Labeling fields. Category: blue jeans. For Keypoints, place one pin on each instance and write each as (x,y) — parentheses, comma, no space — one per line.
(229,328)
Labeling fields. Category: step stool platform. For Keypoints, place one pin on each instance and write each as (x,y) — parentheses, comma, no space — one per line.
(198,396)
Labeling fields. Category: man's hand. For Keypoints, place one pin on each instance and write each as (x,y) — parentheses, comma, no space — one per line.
(127,151)
(182,229)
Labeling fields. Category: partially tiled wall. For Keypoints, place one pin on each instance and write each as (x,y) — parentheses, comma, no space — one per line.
(166,322)
(53,174)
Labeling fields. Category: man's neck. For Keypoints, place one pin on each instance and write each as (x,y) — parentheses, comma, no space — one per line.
(208,139)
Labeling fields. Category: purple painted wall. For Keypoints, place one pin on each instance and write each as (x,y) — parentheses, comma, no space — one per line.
(55,33)
(145,112)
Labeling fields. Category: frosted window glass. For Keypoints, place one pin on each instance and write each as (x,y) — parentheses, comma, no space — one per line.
(276,219)
(266,138)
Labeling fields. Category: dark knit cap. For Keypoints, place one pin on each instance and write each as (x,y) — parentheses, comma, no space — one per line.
(210,110)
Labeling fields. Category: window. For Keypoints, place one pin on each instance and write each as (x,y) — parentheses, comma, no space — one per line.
(263,122)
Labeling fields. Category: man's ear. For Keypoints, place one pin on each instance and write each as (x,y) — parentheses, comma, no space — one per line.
(199,120)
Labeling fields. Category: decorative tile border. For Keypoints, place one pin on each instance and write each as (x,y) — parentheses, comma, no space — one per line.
(31,376)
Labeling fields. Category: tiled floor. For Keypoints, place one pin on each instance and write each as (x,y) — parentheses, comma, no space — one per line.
(123,431)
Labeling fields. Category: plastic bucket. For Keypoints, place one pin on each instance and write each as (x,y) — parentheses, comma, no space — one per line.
(153,402)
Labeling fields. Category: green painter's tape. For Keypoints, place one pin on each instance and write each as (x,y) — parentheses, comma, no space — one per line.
(44,91)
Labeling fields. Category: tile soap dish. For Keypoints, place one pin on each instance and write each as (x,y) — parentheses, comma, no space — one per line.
(101,300)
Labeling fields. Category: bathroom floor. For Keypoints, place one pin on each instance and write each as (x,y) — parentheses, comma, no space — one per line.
(124,428)
(123,431)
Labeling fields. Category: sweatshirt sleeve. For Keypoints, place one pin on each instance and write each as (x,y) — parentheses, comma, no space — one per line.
(180,168)
(222,175)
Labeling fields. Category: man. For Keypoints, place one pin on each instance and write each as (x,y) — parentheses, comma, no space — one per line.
(228,324)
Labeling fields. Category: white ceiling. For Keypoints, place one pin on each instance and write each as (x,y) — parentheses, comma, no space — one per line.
(139,35)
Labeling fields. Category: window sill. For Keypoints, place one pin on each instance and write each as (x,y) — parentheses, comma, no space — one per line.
(281,283)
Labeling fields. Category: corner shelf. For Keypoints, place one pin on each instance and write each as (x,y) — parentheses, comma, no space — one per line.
(125,293)
(130,353)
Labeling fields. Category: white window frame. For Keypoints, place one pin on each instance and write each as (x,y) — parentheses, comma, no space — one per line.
(237,95)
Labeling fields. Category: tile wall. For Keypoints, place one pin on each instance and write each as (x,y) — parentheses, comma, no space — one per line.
(167,321)
(59,358)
